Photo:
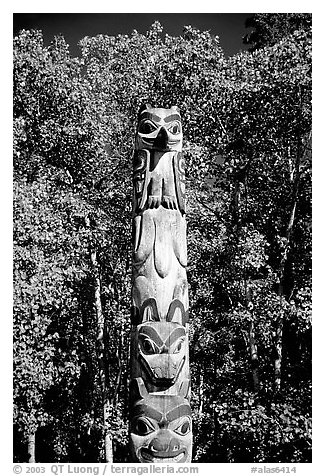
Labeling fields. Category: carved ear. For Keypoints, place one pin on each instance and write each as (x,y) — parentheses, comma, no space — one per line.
(144,107)
(138,389)
(176,313)
(177,317)
(149,311)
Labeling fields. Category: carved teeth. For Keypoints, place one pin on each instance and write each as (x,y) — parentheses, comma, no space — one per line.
(157,459)
(158,372)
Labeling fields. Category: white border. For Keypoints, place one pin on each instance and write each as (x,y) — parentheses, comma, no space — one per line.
(168,6)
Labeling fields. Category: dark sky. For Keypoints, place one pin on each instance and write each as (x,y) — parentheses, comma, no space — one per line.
(230,27)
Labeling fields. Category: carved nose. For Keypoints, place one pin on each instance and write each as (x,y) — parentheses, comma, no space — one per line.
(164,349)
(160,444)
(161,140)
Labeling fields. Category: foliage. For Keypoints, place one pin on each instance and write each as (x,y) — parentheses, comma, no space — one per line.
(256,431)
(247,123)
(270,28)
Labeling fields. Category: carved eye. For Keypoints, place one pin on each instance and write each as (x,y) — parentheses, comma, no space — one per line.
(149,347)
(146,127)
(175,128)
(184,428)
(178,346)
(143,426)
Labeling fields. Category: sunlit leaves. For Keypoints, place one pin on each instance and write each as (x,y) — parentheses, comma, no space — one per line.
(256,432)
(246,120)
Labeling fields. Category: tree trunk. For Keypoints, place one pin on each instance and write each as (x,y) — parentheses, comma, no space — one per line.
(253,356)
(278,348)
(119,353)
(201,392)
(251,339)
(98,302)
(295,180)
(240,178)
(108,445)
(236,204)
(108,442)
(31,448)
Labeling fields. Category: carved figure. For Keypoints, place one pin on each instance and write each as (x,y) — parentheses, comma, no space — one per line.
(159,355)
(160,427)
(158,166)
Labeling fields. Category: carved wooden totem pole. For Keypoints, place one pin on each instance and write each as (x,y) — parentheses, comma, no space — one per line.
(160,421)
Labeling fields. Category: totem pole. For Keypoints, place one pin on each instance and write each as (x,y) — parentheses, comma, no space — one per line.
(160,414)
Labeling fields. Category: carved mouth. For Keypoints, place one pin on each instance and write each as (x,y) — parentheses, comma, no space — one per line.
(162,380)
(148,457)
(170,144)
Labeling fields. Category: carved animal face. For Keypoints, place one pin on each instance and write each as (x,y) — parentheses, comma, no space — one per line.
(161,347)
(159,129)
(161,430)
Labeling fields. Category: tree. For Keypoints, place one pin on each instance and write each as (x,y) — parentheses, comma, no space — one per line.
(60,183)
(270,28)
(42,295)
(247,123)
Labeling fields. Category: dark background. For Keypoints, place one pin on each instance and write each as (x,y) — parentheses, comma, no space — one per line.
(230,27)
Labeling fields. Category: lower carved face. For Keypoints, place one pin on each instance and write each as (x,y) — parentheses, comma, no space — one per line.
(161,430)
(161,347)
